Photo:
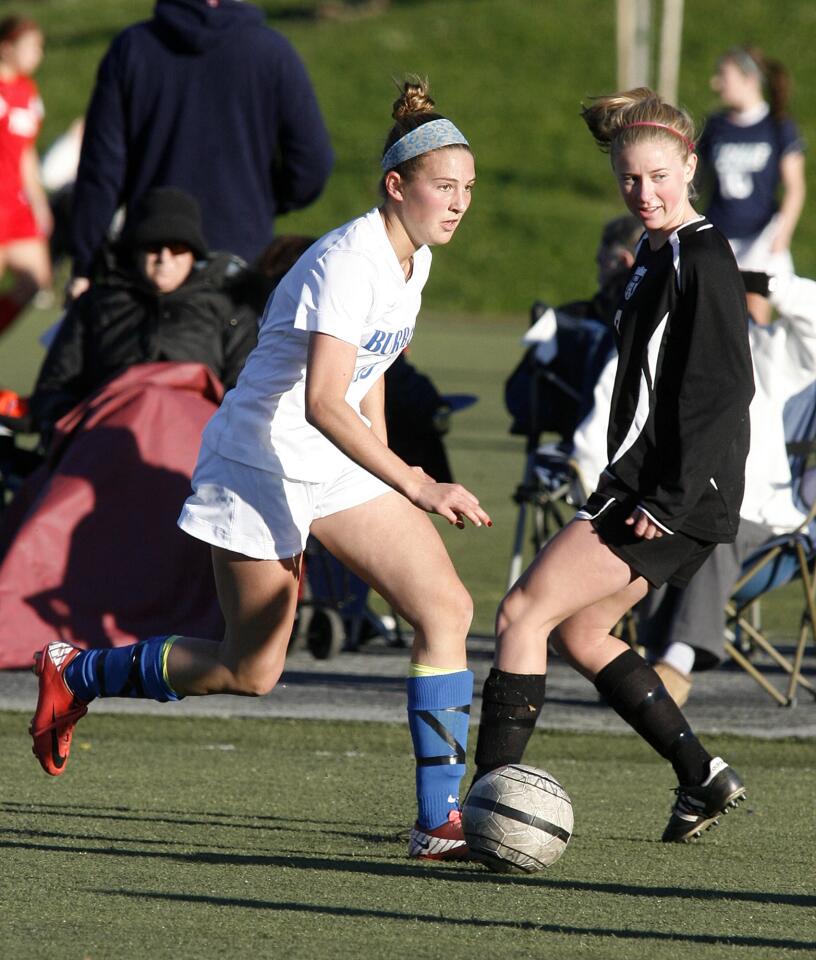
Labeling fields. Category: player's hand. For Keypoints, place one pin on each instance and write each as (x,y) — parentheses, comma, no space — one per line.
(451,501)
(644,528)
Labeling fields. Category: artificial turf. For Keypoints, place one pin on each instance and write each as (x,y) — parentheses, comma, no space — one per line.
(171,837)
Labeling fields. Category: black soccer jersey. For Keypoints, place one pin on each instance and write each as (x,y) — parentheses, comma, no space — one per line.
(678,428)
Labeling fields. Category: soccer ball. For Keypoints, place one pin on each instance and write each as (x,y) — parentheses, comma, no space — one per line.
(517,818)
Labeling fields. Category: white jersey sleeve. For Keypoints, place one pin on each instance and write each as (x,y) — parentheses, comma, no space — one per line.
(338,299)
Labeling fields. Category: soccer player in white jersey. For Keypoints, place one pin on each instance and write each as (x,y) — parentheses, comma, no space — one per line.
(677,442)
(299,446)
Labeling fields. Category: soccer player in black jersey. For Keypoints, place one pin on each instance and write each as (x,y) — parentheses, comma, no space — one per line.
(677,442)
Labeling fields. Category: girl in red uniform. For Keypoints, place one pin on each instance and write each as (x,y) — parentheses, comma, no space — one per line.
(25,218)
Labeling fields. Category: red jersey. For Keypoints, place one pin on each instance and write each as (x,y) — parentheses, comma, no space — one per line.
(21,114)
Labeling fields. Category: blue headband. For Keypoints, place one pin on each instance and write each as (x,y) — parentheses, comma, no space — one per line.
(429,136)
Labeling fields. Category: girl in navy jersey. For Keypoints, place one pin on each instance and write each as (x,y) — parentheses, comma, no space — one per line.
(753,157)
(299,446)
(677,442)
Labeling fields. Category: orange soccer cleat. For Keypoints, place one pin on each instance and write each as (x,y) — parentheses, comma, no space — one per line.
(58,710)
(446,842)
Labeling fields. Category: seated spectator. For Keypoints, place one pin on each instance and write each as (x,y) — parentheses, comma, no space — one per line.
(161,298)
(614,258)
(570,345)
(683,630)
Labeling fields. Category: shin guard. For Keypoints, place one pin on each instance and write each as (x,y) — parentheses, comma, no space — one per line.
(635,692)
(438,715)
(136,671)
(511,703)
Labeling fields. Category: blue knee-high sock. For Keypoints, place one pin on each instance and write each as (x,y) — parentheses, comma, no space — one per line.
(438,713)
(135,671)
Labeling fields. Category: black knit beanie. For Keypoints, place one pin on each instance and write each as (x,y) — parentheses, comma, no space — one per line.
(164,215)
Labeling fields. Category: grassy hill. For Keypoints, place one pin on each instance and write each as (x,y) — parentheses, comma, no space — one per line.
(512,74)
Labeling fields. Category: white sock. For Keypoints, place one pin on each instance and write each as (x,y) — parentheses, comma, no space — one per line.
(680,656)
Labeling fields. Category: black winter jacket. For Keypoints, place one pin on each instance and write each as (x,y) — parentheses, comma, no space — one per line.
(123,321)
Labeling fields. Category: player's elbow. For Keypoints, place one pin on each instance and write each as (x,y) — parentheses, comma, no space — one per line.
(317,411)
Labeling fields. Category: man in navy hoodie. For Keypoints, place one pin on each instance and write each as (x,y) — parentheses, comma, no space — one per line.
(203,97)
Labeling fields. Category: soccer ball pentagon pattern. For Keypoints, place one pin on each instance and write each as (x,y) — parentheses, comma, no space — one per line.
(517,818)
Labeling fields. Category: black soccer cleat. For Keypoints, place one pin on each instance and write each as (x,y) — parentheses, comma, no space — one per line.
(697,808)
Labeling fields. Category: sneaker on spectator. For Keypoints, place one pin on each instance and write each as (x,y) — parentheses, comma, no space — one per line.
(677,684)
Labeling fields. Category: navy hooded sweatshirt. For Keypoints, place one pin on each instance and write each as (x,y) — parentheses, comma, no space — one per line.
(208,99)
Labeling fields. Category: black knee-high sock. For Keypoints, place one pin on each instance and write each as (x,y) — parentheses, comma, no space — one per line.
(511,703)
(635,692)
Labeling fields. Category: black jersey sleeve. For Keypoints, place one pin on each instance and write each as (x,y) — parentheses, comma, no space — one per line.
(704,389)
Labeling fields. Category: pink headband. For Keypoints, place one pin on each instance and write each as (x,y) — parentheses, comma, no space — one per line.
(663,126)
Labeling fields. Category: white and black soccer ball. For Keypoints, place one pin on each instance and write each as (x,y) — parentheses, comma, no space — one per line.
(517,818)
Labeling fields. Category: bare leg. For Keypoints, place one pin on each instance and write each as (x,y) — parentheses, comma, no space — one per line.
(572,574)
(258,600)
(584,640)
(395,548)
(573,593)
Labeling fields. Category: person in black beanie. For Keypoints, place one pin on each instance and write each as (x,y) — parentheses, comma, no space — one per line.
(162,297)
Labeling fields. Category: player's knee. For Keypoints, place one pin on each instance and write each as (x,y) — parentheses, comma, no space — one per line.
(449,614)
(257,681)
(459,611)
(522,623)
(511,610)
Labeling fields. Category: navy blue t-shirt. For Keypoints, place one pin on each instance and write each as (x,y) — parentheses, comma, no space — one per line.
(743,163)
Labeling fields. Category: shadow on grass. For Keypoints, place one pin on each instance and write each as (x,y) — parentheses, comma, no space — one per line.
(246,821)
(469,922)
(471,873)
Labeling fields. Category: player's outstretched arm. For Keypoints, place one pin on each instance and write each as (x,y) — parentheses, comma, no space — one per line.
(330,366)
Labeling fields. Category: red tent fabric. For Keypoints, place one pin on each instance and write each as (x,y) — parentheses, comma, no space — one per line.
(91,551)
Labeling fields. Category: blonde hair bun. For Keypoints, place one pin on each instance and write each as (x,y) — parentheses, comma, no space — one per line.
(414,98)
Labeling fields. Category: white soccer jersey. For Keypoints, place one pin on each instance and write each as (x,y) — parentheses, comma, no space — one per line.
(349,284)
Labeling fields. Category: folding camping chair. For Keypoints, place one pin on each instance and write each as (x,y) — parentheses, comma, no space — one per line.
(782,560)
(551,392)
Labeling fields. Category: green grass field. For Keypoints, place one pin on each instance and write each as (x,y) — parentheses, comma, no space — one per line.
(258,838)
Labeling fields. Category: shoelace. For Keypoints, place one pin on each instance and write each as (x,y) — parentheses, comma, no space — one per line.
(685,803)
(70,716)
